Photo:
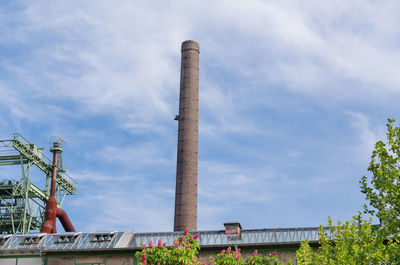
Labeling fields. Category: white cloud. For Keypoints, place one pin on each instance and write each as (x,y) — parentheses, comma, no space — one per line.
(90,176)
(123,59)
(234,184)
(128,202)
(139,156)
(221,112)
(367,136)
(102,58)
(309,49)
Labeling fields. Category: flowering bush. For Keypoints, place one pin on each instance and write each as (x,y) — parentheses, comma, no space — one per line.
(235,258)
(185,252)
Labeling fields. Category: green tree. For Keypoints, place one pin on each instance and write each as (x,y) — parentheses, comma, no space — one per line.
(354,242)
(383,192)
(358,241)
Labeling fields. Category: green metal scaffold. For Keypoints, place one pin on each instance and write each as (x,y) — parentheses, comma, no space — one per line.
(22,203)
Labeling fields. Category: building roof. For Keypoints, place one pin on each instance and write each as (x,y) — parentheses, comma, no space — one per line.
(132,241)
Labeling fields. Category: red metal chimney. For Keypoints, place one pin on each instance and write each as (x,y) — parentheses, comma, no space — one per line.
(52,211)
(186,170)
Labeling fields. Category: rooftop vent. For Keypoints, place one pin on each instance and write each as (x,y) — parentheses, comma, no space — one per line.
(4,239)
(67,238)
(102,237)
(31,239)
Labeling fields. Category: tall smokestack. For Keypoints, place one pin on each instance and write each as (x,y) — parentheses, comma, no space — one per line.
(186,169)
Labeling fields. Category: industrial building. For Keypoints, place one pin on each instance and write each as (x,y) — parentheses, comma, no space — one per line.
(27,208)
(118,248)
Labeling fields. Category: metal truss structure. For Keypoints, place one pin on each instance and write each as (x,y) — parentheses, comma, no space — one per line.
(276,236)
(22,203)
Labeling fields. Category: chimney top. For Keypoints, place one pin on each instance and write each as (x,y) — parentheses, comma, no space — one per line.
(190,45)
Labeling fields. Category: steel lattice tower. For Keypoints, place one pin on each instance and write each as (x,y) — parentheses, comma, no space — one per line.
(22,203)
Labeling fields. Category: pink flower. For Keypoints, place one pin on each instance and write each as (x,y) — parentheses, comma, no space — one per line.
(187,246)
(144,257)
(186,232)
(196,236)
(228,250)
(237,251)
(255,253)
(151,244)
(165,244)
(274,252)
(181,239)
(144,247)
(222,252)
(176,244)
(159,242)
(210,262)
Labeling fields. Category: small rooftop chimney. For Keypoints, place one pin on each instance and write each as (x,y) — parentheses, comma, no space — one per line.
(233,229)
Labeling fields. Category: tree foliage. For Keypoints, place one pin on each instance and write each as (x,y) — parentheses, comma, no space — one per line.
(383,193)
(354,242)
(358,241)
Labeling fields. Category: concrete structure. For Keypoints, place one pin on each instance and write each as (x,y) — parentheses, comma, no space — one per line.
(112,248)
(186,169)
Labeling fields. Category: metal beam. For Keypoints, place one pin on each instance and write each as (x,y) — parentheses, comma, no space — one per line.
(29,151)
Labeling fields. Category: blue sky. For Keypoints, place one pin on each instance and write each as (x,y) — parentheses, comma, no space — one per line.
(293,96)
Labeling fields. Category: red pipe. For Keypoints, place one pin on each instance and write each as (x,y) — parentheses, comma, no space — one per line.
(65,221)
(52,211)
(49,225)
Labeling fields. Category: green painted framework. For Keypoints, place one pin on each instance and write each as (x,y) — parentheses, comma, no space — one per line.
(22,203)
